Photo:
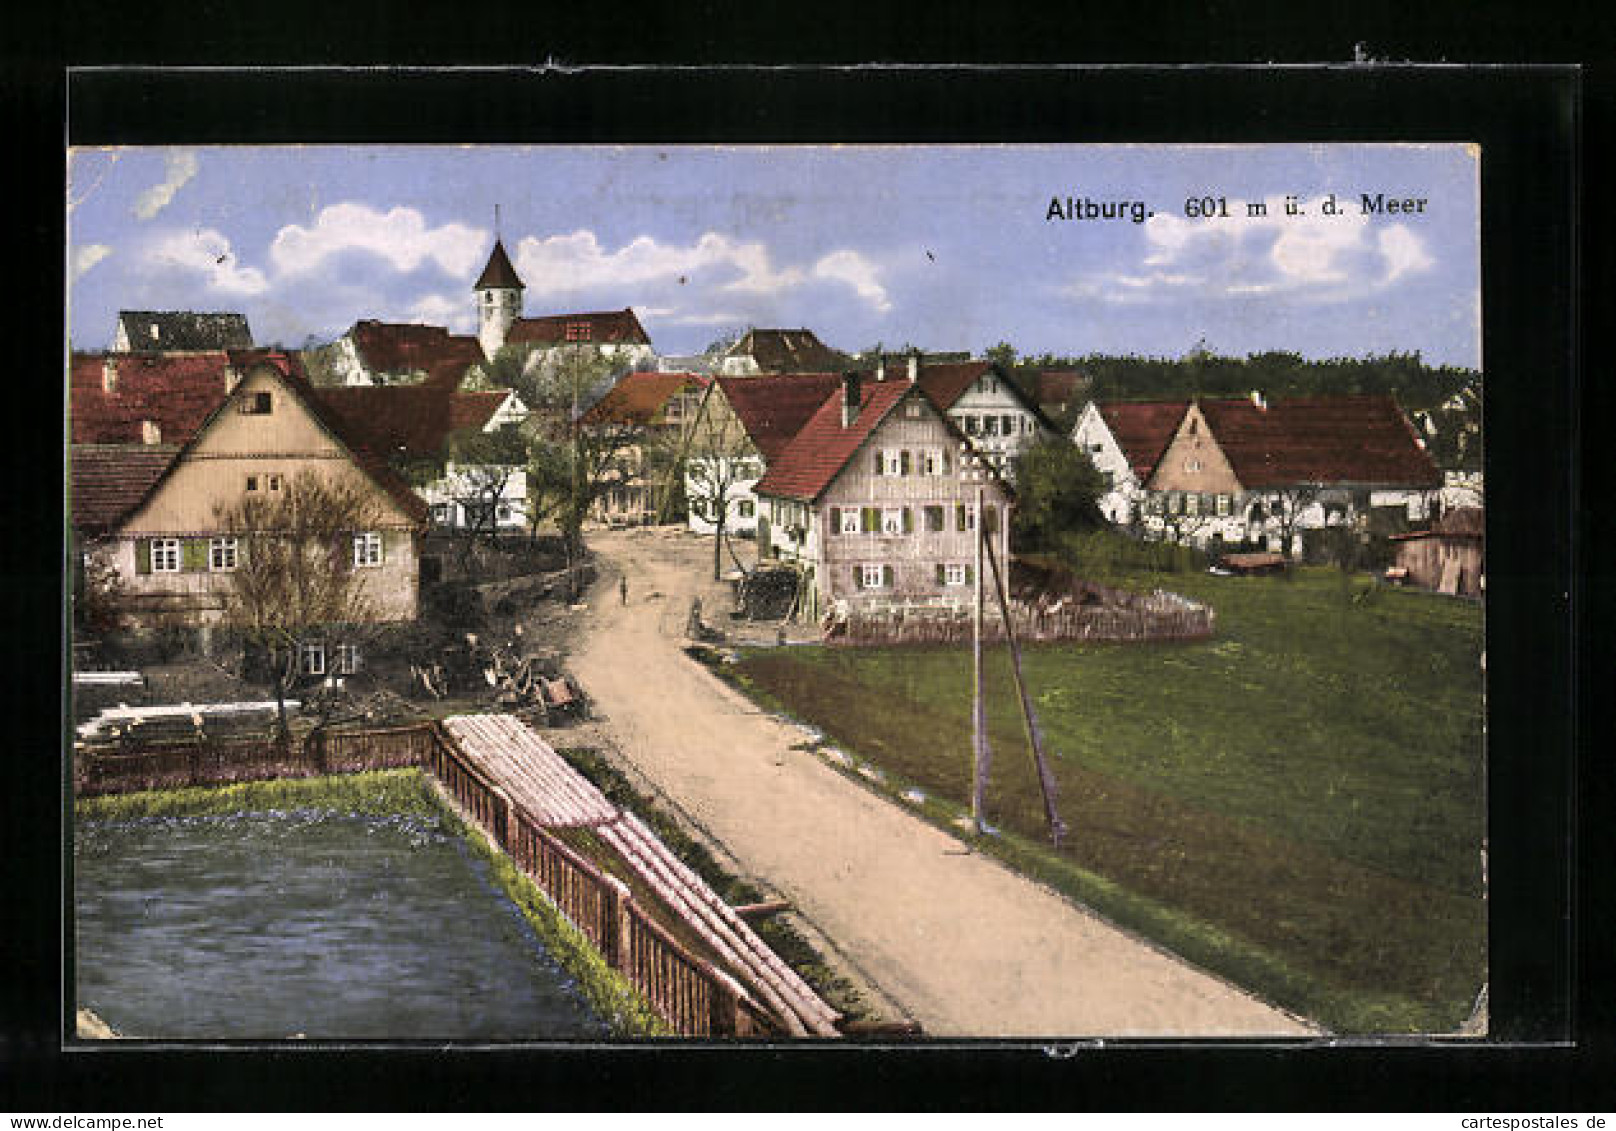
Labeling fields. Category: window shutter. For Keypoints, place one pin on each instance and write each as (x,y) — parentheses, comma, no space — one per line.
(870,520)
(970,575)
(835,520)
(858,577)
(903,462)
(886,576)
(947,466)
(908,521)
(143,556)
(959,516)
(194,555)
(880,467)
(942,576)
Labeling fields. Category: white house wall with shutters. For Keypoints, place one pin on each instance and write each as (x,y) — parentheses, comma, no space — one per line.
(997,420)
(1125,494)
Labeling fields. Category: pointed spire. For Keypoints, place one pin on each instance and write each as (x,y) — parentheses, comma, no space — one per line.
(499,274)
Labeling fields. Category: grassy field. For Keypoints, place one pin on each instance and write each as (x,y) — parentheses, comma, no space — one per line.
(1296,804)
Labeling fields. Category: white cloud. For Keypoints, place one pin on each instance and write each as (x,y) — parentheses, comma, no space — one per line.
(1311,256)
(86,257)
(207,252)
(857,272)
(400,236)
(441,310)
(577,262)
(178,168)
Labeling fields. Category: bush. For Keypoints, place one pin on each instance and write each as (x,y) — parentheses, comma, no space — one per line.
(1099,554)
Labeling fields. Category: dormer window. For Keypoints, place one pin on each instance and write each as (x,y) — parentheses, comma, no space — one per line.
(254,404)
(156,334)
(150,432)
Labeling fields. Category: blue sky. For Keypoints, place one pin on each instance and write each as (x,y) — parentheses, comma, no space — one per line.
(946,247)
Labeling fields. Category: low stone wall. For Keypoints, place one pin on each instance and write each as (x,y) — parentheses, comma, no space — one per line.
(1158,616)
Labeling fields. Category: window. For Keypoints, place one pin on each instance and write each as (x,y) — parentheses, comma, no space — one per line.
(1096,448)
(1192,504)
(973,424)
(911,409)
(254,404)
(252,482)
(579,332)
(746,508)
(1007,425)
(955,574)
(165,555)
(272,481)
(990,384)
(347,659)
(990,425)
(504,512)
(1223,504)
(311,658)
(874,576)
(442,513)
(894,463)
(367,549)
(1192,465)
(933,519)
(895,520)
(850,521)
(222,554)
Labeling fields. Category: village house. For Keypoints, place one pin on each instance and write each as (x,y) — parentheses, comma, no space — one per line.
(1245,470)
(1125,441)
(984,404)
(1447,558)
(150,513)
(742,426)
(876,503)
(1060,392)
(615,334)
(391,353)
(647,416)
(179,331)
(779,351)
(414,426)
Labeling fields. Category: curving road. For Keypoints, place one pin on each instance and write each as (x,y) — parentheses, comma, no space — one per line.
(965,946)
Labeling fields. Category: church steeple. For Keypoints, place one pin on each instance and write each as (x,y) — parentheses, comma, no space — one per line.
(499,299)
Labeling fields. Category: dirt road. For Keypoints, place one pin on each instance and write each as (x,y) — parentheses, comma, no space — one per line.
(966,947)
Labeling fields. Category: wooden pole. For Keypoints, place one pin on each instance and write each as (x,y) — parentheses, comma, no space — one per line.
(1035,738)
(979,720)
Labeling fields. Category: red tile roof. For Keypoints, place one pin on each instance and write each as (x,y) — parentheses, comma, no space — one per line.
(405,347)
(106,481)
(176,392)
(945,383)
(499,272)
(612,326)
(811,462)
(637,398)
(1142,429)
(1365,440)
(774,408)
(782,351)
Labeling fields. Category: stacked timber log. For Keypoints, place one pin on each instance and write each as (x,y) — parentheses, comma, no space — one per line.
(544,788)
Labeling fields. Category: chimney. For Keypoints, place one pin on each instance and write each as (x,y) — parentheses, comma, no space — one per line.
(914,366)
(880,367)
(1257,399)
(850,399)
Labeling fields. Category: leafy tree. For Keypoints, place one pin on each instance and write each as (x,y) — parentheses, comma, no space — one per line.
(294,577)
(1057,490)
(718,458)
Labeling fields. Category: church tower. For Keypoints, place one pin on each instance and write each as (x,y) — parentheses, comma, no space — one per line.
(499,300)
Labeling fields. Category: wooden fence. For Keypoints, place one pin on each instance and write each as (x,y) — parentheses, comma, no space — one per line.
(918,624)
(694,997)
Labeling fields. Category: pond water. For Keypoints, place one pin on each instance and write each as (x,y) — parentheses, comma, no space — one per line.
(324,925)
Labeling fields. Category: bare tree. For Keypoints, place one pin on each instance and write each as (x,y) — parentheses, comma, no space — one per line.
(718,458)
(294,575)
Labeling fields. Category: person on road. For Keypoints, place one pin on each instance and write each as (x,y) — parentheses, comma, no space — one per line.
(622,587)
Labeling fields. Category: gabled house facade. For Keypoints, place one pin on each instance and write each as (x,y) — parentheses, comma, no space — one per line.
(151,514)
(984,404)
(1244,470)
(872,502)
(1125,441)
(742,426)
(657,411)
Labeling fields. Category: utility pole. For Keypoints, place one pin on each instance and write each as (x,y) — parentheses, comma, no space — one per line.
(972,472)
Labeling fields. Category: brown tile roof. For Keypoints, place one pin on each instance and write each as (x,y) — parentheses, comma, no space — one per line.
(405,420)
(637,398)
(1363,439)
(787,351)
(405,347)
(611,326)
(944,384)
(184,330)
(774,408)
(176,392)
(1060,386)
(1142,429)
(107,480)
(499,272)
(811,462)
